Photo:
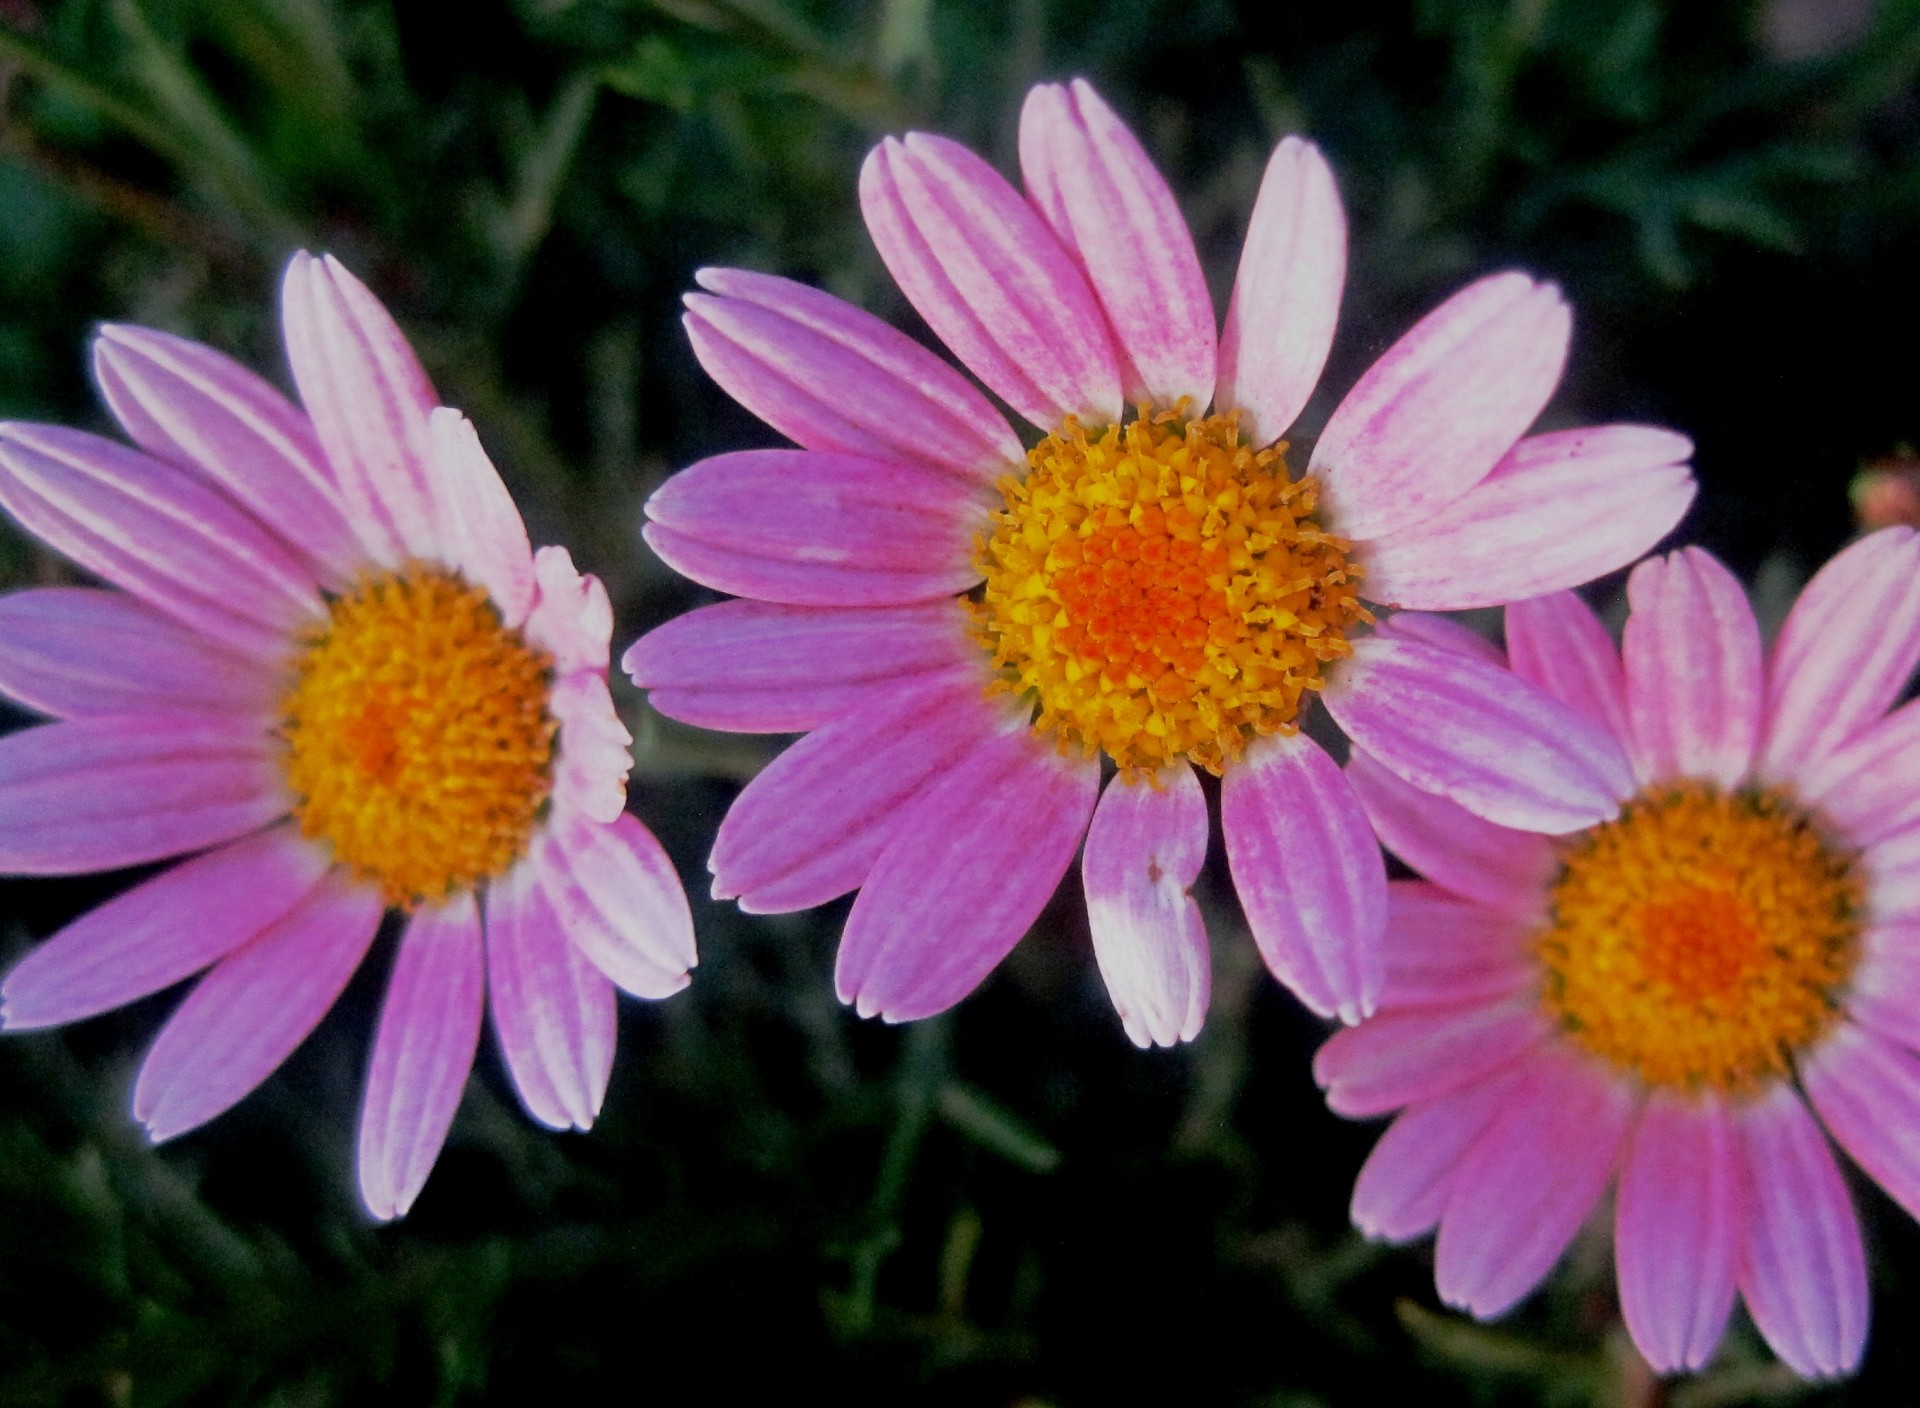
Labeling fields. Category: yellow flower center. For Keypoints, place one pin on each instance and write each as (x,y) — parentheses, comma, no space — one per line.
(1703,938)
(1162,591)
(418,743)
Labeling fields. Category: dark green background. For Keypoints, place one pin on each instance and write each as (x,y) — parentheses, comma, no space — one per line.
(1008,1205)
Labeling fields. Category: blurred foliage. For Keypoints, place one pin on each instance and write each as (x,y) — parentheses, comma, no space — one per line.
(1008,1205)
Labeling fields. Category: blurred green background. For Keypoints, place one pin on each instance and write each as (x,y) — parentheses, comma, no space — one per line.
(1009,1205)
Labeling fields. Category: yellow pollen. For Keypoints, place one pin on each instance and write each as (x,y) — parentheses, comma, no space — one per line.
(1162,591)
(418,743)
(1703,938)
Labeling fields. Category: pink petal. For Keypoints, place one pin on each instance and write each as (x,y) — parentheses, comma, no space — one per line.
(811,825)
(759,667)
(1403,1187)
(1308,873)
(1866,1090)
(1678,1228)
(590,769)
(1441,952)
(814,529)
(1412,1055)
(571,620)
(1845,652)
(1884,993)
(553,1011)
(422,1053)
(1868,789)
(969,868)
(831,377)
(260,1001)
(1558,643)
(1529,1181)
(1804,1273)
(80,652)
(1491,865)
(481,532)
(1692,657)
(369,400)
(1114,212)
(1433,416)
(186,403)
(1450,724)
(1286,295)
(160,532)
(1144,851)
(1892,869)
(97,794)
(620,901)
(990,279)
(1440,631)
(1557,511)
(162,930)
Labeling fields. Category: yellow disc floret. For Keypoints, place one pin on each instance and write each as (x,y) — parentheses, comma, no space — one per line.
(1702,938)
(1162,591)
(418,743)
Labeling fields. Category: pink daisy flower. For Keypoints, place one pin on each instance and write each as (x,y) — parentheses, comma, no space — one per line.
(964,626)
(1676,1001)
(336,673)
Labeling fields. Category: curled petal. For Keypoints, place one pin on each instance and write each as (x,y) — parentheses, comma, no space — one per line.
(590,772)
(571,620)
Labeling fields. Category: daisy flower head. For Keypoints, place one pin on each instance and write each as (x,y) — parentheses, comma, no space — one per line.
(1686,1002)
(966,626)
(329,668)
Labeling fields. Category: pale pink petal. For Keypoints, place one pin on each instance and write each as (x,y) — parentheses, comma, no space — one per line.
(1866,1090)
(1804,1272)
(1557,511)
(813,529)
(1845,652)
(830,376)
(78,652)
(1403,1187)
(1308,872)
(760,667)
(990,279)
(1286,295)
(1884,992)
(1412,1055)
(1442,952)
(97,794)
(1491,865)
(1451,724)
(620,901)
(970,866)
(186,403)
(1679,1223)
(1113,210)
(811,825)
(1892,869)
(369,400)
(571,620)
(1558,643)
(260,1001)
(1695,690)
(1868,788)
(1442,631)
(162,930)
(553,1011)
(1433,416)
(1144,851)
(160,532)
(591,765)
(1529,1181)
(422,1053)
(481,532)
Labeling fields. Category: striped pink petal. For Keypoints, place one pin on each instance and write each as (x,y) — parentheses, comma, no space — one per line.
(1558,643)
(1144,851)
(1441,952)
(814,529)
(572,619)
(1868,788)
(1286,294)
(1113,210)
(620,901)
(1557,511)
(162,930)
(1884,993)
(1695,689)
(830,376)
(991,280)
(1412,1055)
(1434,415)
(97,794)
(422,1053)
(1866,1090)
(77,652)
(481,532)
(1893,878)
(1308,873)
(590,767)
(970,866)
(1404,1185)
(260,1002)
(1441,631)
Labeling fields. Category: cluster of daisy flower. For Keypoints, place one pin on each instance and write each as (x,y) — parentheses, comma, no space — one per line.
(1665,932)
